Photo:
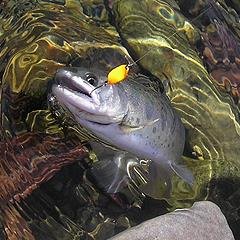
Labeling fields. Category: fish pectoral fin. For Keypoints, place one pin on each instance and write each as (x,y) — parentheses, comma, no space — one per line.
(107,176)
(112,174)
(183,172)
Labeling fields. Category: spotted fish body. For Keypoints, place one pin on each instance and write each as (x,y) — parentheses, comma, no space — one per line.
(150,129)
(133,116)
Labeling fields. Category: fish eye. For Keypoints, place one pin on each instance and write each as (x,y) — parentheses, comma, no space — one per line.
(91,78)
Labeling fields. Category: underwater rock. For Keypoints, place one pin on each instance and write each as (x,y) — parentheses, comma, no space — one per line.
(204,221)
(219,45)
(37,38)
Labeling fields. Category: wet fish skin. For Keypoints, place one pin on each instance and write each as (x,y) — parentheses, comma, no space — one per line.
(131,116)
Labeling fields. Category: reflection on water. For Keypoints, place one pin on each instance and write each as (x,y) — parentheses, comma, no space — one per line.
(46,189)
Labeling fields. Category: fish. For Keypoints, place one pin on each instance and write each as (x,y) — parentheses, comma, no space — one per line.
(134,116)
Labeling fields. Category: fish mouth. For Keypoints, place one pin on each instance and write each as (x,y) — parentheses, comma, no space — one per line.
(86,101)
(75,92)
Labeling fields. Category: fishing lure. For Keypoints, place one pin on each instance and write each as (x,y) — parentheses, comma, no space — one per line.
(118,74)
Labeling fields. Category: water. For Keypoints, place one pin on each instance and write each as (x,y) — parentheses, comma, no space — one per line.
(47,191)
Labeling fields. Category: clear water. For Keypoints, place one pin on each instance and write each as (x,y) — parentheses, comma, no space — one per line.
(46,190)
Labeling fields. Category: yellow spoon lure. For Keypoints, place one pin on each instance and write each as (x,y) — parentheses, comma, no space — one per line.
(118,74)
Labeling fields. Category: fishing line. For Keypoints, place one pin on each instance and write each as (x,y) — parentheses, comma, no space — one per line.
(168,38)
(120,72)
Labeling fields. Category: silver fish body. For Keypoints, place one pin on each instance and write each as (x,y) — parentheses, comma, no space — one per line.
(133,116)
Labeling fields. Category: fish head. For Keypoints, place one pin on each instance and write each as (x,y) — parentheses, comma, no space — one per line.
(87,97)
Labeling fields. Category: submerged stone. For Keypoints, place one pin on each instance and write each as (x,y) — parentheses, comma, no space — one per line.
(203,221)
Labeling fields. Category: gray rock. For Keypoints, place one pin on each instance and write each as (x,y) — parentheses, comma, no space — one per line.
(203,221)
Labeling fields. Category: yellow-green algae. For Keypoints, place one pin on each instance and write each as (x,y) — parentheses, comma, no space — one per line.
(210,117)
